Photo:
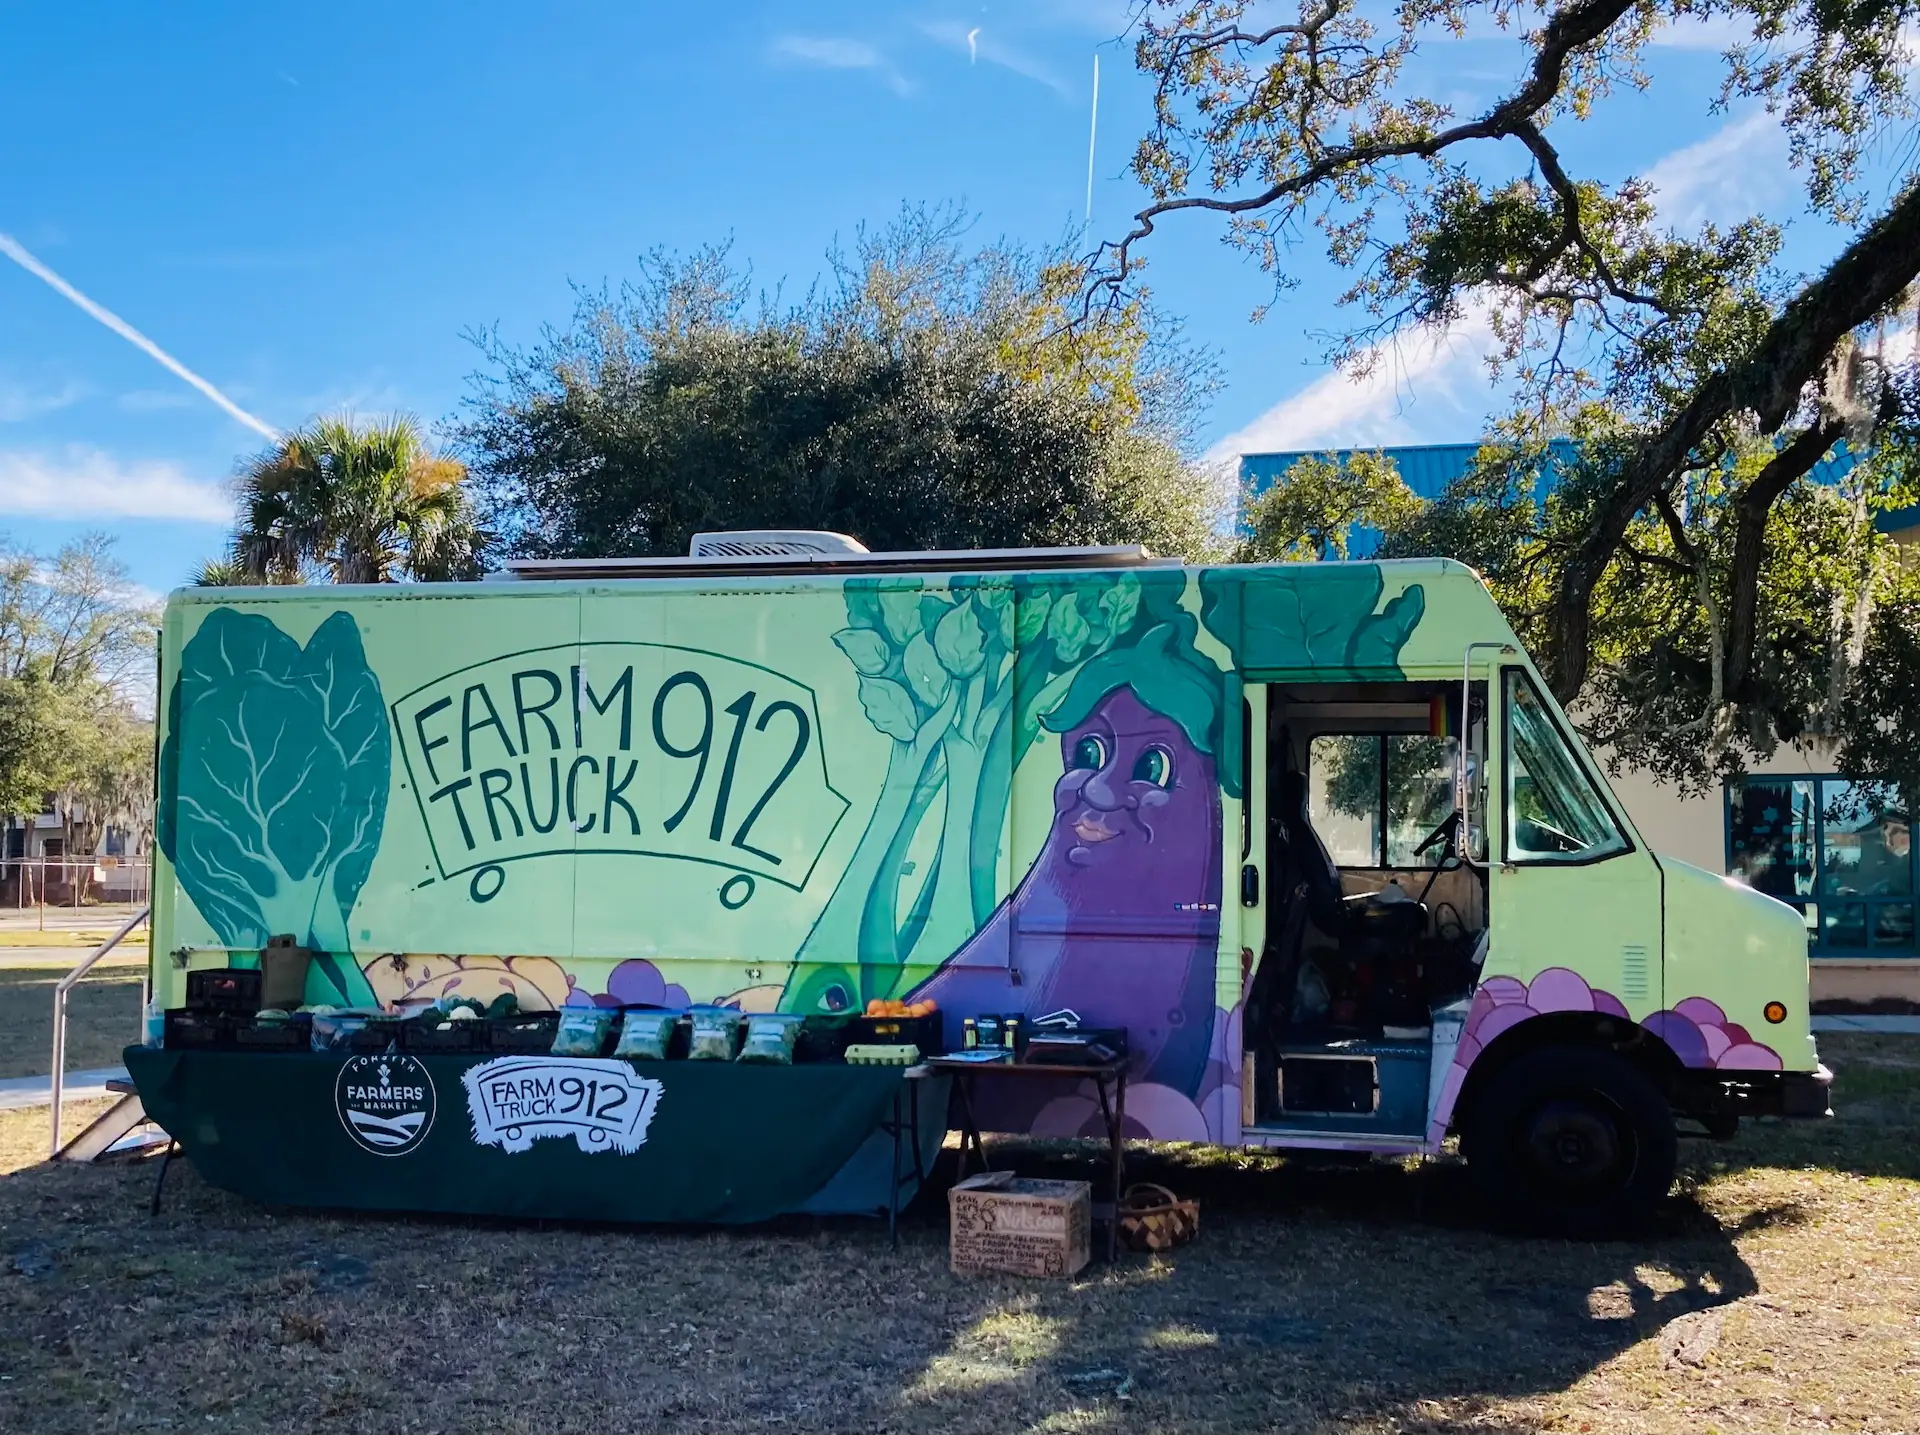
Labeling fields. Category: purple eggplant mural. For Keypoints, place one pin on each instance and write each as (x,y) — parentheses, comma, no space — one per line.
(1117,917)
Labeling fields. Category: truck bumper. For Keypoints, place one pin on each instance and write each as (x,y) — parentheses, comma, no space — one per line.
(1722,1097)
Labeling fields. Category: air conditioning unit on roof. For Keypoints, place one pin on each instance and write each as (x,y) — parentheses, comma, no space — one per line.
(771,543)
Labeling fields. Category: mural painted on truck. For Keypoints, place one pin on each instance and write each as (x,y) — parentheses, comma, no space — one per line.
(279,780)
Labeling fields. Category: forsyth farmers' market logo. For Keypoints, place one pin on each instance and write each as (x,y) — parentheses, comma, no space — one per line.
(637,749)
(385,1102)
(516,1100)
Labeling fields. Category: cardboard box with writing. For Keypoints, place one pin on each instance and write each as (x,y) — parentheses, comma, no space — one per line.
(1025,1228)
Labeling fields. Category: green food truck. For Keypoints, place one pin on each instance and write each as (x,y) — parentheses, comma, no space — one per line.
(1315,836)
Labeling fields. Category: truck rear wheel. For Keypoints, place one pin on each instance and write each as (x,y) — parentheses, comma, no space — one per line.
(1571,1141)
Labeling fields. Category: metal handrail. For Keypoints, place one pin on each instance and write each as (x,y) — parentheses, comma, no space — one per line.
(65,985)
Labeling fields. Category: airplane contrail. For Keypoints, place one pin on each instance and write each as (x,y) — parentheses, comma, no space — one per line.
(1093,133)
(18,253)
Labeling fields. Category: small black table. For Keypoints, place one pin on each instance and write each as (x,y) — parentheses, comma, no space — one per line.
(1109,1079)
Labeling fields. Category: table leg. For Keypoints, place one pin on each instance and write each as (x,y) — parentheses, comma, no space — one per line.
(913,1133)
(893,1178)
(1119,1158)
(165,1160)
(1114,1114)
(969,1125)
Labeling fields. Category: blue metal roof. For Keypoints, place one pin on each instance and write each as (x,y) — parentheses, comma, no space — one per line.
(1429,468)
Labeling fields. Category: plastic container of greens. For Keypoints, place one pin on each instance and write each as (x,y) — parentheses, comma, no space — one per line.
(770,1038)
(715,1034)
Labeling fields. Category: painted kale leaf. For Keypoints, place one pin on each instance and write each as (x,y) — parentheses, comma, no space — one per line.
(1311,618)
(274,786)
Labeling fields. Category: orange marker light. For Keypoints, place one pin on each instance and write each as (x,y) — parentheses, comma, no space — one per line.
(1775,1012)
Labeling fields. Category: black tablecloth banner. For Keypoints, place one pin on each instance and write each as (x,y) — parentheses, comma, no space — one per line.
(537,1136)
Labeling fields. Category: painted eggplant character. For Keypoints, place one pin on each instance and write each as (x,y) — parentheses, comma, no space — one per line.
(1118,919)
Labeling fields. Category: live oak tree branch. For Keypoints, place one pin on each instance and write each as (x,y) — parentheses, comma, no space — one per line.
(1769,384)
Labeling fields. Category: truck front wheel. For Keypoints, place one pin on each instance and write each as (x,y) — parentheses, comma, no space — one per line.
(1571,1141)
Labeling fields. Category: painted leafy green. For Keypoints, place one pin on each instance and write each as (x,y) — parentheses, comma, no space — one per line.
(1310,617)
(274,782)
(867,649)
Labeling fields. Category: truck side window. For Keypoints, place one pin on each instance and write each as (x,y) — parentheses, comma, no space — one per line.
(1554,813)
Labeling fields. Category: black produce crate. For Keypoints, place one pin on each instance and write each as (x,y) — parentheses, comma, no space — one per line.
(459,1037)
(922,1031)
(197,1030)
(293,1034)
(524,1035)
(228,989)
(826,1038)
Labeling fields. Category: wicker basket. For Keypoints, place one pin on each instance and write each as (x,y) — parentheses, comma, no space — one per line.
(1152,1218)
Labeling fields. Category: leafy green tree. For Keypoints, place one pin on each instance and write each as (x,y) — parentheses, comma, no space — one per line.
(1833,654)
(928,397)
(1700,379)
(1314,513)
(76,649)
(353,502)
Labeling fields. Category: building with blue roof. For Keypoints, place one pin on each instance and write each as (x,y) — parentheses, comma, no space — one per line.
(1429,468)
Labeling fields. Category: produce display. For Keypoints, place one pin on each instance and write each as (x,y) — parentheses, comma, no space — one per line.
(877,1007)
(646,1035)
(223,1011)
(583,1031)
(771,1038)
(715,1034)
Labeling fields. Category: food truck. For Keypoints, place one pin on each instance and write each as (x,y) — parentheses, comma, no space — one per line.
(1315,837)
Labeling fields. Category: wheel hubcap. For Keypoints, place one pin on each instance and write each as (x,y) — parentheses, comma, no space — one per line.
(1575,1144)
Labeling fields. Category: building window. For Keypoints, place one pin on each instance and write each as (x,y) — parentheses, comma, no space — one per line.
(1840,852)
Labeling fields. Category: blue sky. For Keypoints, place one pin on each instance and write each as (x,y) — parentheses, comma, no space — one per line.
(308,206)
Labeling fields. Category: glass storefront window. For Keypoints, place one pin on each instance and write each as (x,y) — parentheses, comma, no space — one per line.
(1771,836)
(1839,851)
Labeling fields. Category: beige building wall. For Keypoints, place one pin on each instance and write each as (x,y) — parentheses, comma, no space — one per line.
(1694,830)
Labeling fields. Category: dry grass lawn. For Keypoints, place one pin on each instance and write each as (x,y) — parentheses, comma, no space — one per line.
(103,1015)
(1783,1294)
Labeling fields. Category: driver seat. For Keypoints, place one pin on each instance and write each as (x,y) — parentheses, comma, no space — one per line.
(1365,920)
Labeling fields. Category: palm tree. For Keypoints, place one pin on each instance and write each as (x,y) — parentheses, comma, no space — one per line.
(356,503)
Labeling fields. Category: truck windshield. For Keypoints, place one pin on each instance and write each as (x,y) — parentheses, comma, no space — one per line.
(1554,812)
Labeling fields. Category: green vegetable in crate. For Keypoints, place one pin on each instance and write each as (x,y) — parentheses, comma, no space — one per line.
(583,1031)
(645,1035)
(771,1037)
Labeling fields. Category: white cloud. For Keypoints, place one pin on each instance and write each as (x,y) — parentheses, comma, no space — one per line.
(1716,33)
(839,53)
(84,483)
(19,403)
(1334,411)
(1735,172)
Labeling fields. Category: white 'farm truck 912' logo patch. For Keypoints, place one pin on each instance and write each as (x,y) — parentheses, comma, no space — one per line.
(385,1102)
(603,1105)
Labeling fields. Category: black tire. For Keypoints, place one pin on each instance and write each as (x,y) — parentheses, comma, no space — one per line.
(1571,1141)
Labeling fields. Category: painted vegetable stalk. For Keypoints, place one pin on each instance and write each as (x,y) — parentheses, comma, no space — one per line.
(959,681)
